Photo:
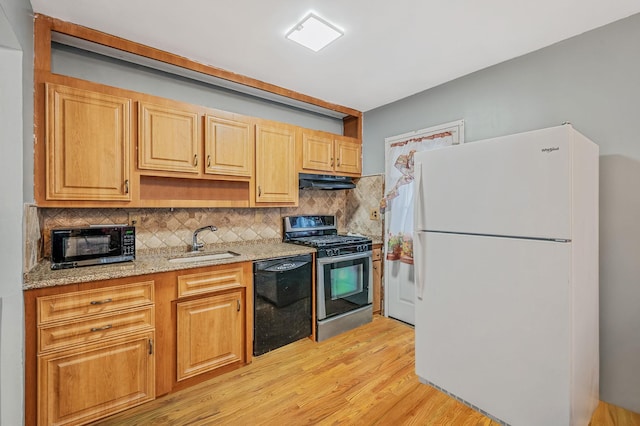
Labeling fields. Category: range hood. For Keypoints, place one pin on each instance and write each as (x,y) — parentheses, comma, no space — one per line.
(327,182)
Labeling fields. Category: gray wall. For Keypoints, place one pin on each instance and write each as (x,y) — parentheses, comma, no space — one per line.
(16,185)
(592,81)
(101,69)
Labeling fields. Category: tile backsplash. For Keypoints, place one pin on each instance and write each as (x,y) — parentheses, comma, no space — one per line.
(359,203)
(173,228)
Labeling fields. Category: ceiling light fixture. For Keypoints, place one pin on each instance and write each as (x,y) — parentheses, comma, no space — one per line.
(314,32)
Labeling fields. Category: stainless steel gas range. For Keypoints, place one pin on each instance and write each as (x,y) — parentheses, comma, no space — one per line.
(344,280)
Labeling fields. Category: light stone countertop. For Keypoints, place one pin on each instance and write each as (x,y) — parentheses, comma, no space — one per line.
(158,261)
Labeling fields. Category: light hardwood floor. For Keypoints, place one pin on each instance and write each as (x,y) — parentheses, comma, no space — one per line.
(363,377)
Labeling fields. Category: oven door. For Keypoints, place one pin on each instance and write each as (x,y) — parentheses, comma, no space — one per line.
(344,284)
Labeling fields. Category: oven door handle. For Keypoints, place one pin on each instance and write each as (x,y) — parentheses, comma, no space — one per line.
(344,258)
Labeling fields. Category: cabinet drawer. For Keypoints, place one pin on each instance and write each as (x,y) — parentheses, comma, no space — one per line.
(79,304)
(205,282)
(95,328)
(377,254)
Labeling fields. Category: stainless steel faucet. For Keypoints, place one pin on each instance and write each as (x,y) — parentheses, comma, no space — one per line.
(196,245)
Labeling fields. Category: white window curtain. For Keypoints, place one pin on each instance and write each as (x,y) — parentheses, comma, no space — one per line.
(397,203)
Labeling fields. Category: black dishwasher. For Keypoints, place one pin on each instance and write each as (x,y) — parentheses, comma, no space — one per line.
(282,302)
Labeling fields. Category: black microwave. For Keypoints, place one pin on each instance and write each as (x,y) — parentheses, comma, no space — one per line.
(93,245)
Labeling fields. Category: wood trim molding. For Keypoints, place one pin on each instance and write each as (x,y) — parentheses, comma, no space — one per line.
(44,25)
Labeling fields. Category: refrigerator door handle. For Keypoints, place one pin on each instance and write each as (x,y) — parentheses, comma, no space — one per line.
(419,263)
(418,210)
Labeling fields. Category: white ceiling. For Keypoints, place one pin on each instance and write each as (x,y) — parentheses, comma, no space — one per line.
(390,50)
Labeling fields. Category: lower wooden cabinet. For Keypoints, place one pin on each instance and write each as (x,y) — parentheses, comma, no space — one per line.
(90,350)
(214,321)
(210,333)
(94,349)
(82,384)
(377,280)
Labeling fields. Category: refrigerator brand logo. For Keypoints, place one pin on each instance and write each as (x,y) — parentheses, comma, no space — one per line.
(554,148)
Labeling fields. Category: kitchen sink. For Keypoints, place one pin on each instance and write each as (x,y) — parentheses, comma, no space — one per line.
(203,257)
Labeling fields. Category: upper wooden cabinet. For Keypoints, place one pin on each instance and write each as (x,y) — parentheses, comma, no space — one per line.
(184,155)
(169,138)
(88,145)
(317,152)
(276,176)
(348,153)
(228,145)
(332,154)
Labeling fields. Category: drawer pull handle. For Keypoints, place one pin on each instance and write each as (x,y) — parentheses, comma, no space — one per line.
(106,327)
(238,305)
(101,302)
(195,159)
(208,161)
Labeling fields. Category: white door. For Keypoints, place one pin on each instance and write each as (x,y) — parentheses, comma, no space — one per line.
(399,282)
(493,318)
(399,291)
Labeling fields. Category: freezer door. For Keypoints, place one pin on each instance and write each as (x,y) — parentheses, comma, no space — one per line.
(518,185)
(493,324)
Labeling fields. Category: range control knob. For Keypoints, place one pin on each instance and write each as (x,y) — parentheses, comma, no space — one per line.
(333,252)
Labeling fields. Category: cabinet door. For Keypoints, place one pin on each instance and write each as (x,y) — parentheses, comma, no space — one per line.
(168,138)
(276,177)
(317,152)
(228,146)
(88,141)
(83,384)
(377,281)
(210,333)
(348,153)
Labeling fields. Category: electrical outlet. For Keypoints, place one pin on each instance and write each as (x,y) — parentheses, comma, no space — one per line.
(374,215)
(133,219)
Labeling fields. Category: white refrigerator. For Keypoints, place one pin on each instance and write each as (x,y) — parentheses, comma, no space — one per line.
(506,255)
